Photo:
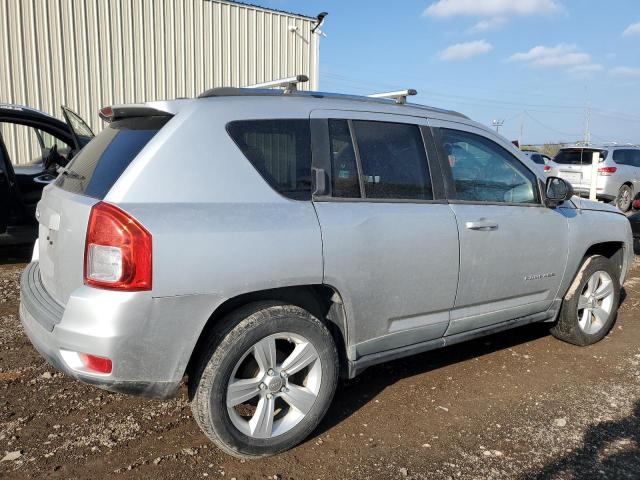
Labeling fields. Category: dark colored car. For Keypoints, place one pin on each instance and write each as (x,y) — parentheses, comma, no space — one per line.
(21,182)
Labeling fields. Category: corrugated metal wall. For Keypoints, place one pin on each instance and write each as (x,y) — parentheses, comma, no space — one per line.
(86,54)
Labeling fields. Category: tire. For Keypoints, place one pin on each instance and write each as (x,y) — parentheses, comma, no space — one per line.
(585,318)
(624,198)
(256,337)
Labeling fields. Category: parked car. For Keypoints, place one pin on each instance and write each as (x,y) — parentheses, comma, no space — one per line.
(304,236)
(635,228)
(22,180)
(636,202)
(544,161)
(618,172)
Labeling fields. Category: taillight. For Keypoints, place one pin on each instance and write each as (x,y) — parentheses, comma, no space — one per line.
(607,170)
(117,252)
(547,168)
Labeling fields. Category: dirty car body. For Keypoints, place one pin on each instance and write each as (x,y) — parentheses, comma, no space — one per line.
(392,269)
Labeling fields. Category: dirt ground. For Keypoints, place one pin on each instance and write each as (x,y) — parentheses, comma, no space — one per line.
(515,405)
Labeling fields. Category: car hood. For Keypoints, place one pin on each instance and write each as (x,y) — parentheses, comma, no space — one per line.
(585,204)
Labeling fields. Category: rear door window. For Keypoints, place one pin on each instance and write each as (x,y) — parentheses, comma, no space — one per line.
(101,162)
(393,160)
(280,150)
(345,182)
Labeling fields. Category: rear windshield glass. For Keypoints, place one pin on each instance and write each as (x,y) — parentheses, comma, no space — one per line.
(101,162)
(578,156)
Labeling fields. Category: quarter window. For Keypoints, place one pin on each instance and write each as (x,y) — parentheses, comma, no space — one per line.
(281,152)
(483,171)
(393,161)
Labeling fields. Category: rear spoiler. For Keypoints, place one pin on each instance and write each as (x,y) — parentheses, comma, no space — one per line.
(118,112)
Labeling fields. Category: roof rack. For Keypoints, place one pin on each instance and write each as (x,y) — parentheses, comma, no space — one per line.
(400,96)
(290,84)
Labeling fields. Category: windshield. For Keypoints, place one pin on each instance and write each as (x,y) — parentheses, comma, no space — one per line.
(578,156)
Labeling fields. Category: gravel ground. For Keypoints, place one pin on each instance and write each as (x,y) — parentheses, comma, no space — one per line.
(515,405)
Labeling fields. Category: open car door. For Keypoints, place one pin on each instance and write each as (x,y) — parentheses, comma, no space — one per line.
(6,175)
(81,132)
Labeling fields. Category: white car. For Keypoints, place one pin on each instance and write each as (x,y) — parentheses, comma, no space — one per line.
(544,162)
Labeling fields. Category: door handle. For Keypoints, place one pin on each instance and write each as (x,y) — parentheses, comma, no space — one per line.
(482,225)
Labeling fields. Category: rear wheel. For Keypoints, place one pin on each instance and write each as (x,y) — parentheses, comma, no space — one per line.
(624,198)
(266,382)
(589,309)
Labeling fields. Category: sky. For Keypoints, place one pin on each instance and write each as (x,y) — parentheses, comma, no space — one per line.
(535,64)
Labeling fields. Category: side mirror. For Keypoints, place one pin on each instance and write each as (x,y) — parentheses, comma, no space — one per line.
(557,190)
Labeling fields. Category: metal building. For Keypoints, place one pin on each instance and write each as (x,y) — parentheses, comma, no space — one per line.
(86,54)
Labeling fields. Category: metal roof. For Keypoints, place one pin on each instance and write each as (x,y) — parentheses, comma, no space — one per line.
(267,9)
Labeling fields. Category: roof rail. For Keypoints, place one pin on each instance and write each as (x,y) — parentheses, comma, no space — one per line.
(290,84)
(400,96)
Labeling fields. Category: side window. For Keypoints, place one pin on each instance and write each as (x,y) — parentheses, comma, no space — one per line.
(393,160)
(537,158)
(344,181)
(483,171)
(281,152)
(636,158)
(621,157)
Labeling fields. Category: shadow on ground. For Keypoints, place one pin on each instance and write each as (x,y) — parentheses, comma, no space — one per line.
(15,254)
(375,379)
(610,449)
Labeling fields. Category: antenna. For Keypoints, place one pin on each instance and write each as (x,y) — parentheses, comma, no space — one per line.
(400,96)
(290,84)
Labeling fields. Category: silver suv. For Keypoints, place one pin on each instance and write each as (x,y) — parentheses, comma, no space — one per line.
(618,176)
(263,243)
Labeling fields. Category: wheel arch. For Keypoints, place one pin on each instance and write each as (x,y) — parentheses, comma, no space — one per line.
(322,301)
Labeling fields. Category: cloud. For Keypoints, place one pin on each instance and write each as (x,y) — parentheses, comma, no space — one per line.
(626,71)
(463,51)
(490,8)
(633,29)
(563,55)
(494,23)
(586,68)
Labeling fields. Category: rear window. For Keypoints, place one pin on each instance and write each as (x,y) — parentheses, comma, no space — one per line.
(101,162)
(578,156)
(280,150)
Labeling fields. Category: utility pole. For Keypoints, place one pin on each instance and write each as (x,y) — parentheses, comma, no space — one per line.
(587,125)
(497,124)
(521,129)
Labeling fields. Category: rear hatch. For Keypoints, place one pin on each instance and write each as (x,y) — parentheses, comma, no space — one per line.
(64,210)
(574,164)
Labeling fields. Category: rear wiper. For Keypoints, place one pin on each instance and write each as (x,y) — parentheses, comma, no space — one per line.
(70,173)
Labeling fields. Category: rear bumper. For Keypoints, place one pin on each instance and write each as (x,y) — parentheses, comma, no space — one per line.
(94,325)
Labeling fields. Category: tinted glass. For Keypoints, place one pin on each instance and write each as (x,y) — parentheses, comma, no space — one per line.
(344,170)
(281,152)
(537,158)
(394,162)
(483,171)
(577,156)
(101,162)
(627,157)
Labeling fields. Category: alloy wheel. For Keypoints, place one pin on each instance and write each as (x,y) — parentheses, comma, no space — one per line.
(595,303)
(274,385)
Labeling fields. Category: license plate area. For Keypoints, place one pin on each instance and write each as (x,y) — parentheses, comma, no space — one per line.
(571,177)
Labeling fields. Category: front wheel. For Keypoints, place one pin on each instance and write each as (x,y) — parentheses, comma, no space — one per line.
(590,306)
(624,198)
(266,383)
